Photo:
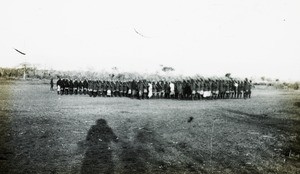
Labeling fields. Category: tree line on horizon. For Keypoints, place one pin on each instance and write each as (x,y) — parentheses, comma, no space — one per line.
(35,73)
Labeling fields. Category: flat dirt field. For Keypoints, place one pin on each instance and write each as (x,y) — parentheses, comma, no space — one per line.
(42,132)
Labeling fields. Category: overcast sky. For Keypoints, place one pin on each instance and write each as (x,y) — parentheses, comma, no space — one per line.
(209,37)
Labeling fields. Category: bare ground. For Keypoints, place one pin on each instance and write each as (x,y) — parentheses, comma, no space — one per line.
(42,132)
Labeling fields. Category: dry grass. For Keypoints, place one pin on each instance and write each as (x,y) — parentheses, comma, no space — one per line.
(44,132)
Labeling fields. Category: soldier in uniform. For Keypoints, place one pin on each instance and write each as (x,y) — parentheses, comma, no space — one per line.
(80,87)
(163,92)
(167,90)
(193,89)
(121,89)
(85,86)
(201,88)
(154,89)
(109,89)
(75,84)
(235,88)
(71,86)
(222,89)
(51,85)
(227,88)
(95,88)
(172,89)
(215,90)
(206,88)
(179,90)
(240,88)
(134,89)
(246,88)
(129,88)
(250,86)
(66,85)
(159,89)
(58,85)
(104,84)
(113,88)
(117,89)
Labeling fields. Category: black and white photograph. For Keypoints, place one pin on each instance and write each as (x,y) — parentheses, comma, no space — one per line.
(150,87)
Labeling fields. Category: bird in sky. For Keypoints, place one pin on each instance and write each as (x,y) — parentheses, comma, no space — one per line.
(19,51)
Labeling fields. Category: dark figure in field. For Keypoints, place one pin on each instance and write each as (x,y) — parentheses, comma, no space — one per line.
(227,89)
(240,89)
(85,86)
(95,88)
(140,86)
(66,86)
(167,89)
(187,90)
(235,89)
(58,85)
(222,89)
(154,90)
(51,84)
(105,88)
(100,88)
(215,89)
(75,87)
(109,89)
(98,156)
(113,89)
(80,87)
(158,89)
(179,90)
(145,89)
(62,87)
(71,86)
(121,89)
(250,86)
(193,89)
(246,88)
(129,89)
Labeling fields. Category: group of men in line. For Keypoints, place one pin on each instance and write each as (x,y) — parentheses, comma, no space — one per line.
(194,89)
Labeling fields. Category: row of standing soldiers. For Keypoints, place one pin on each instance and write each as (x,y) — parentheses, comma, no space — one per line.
(143,89)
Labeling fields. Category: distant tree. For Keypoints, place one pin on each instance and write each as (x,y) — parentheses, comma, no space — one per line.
(263,78)
(167,69)
(277,80)
(228,75)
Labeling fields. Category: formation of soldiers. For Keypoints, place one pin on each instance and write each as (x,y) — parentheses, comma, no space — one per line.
(193,89)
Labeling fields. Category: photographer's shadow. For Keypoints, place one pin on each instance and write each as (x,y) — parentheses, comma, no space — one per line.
(98,156)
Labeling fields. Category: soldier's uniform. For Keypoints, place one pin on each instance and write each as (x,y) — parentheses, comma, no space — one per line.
(80,87)
(85,86)
(58,84)
(145,89)
(105,84)
(109,89)
(140,89)
(240,89)
(66,86)
(154,90)
(215,91)
(129,89)
(71,86)
(75,87)
(207,89)
(167,90)
(246,88)
(222,89)
(193,89)
(227,88)
(172,89)
(159,89)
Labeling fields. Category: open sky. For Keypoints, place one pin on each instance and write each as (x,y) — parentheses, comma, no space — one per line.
(208,37)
